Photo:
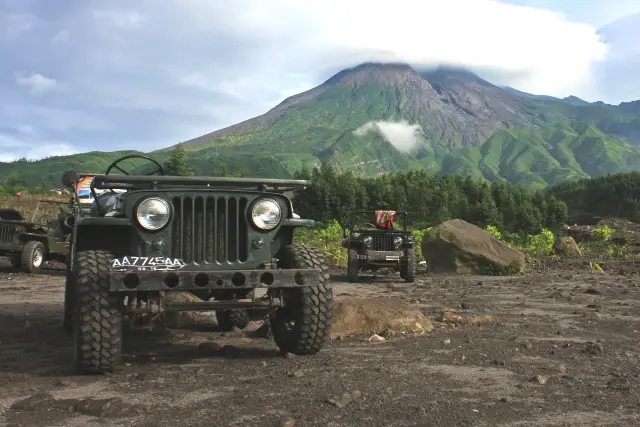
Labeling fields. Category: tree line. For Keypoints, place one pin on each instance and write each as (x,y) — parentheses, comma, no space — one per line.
(429,200)
(613,195)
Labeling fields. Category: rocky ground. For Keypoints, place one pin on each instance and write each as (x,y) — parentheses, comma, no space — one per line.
(563,351)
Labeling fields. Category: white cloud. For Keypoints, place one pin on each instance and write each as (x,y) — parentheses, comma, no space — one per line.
(554,54)
(16,148)
(124,19)
(37,83)
(61,37)
(15,24)
(402,135)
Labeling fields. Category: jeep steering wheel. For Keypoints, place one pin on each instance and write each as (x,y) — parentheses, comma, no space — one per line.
(114,165)
(158,170)
(369,226)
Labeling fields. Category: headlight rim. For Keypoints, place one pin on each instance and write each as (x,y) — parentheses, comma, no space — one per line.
(164,202)
(251,215)
(398,241)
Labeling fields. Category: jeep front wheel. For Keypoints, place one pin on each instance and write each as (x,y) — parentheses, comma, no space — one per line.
(353,266)
(97,315)
(409,267)
(303,324)
(32,257)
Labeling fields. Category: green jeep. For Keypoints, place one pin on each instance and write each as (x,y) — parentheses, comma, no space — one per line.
(218,238)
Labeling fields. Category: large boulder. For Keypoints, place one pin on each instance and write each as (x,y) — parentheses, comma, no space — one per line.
(459,247)
(385,316)
(566,246)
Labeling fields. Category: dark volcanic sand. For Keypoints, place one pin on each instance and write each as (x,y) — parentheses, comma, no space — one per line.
(564,352)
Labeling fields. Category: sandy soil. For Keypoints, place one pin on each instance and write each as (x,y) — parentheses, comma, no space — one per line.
(563,352)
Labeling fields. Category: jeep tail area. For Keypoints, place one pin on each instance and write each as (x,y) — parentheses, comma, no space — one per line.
(217,238)
(379,244)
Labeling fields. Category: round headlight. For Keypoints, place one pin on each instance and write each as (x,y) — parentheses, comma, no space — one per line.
(153,213)
(367,240)
(266,214)
(397,241)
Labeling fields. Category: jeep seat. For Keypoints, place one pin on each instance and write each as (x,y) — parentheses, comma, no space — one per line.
(108,202)
(385,220)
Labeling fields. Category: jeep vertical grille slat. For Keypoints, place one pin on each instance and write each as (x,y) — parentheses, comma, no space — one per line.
(383,243)
(198,220)
(211,229)
(226,227)
(194,227)
(6,234)
(180,254)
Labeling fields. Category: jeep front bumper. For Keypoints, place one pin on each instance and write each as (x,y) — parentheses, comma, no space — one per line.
(381,256)
(177,280)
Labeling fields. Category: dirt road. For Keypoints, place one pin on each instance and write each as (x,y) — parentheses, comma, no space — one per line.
(564,352)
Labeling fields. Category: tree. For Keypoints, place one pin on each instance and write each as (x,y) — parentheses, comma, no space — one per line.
(222,171)
(177,165)
(13,183)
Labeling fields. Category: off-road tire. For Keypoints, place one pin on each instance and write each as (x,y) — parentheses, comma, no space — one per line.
(353,266)
(28,257)
(409,267)
(310,307)
(228,319)
(97,315)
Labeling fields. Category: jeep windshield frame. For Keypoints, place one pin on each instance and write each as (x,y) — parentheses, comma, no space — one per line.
(159,182)
(403,214)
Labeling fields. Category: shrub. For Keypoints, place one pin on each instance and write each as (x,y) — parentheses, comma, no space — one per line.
(602,234)
(541,244)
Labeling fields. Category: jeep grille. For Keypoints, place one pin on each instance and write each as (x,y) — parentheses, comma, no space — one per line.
(6,234)
(210,229)
(383,242)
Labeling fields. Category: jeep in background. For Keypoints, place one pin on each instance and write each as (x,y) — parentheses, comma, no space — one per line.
(374,243)
(27,244)
(218,238)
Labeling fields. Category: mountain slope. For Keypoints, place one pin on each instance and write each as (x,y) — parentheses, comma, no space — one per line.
(544,156)
(379,118)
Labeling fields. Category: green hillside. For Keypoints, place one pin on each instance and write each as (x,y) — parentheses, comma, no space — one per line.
(442,120)
(544,156)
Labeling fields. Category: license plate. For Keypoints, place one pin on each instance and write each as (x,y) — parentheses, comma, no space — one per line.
(360,256)
(143,263)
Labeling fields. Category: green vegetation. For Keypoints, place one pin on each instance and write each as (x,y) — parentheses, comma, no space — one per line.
(39,176)
(615,195)
(541,157)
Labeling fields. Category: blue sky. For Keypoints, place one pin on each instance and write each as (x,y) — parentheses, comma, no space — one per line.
(80,75)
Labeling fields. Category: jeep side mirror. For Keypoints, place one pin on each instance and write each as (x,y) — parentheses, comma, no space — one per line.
(69,178)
